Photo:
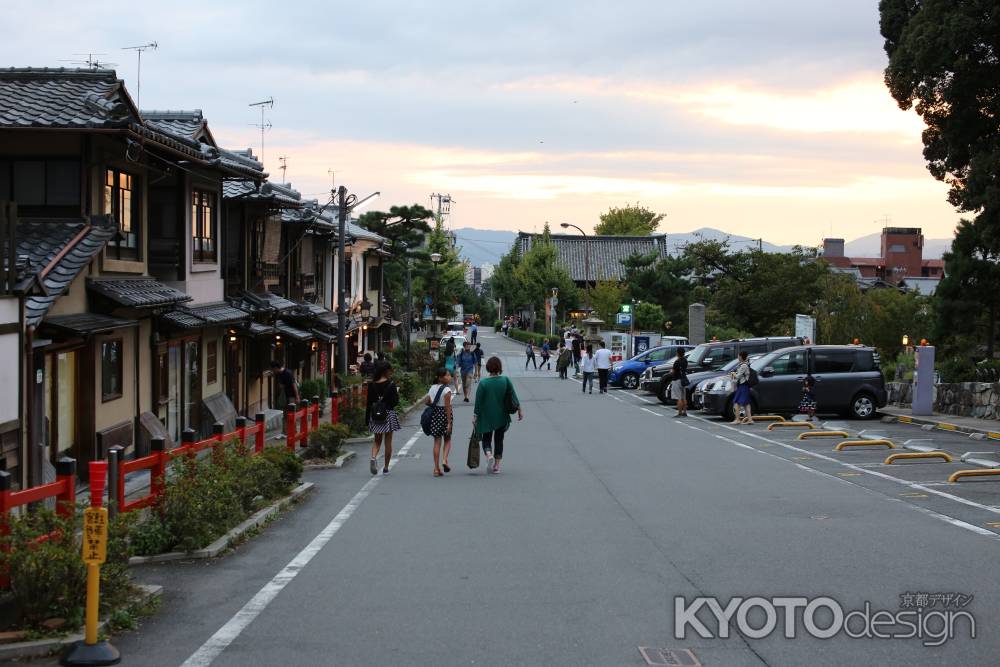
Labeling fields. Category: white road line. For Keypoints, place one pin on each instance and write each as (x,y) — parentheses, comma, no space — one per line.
(228,633)
(655,414)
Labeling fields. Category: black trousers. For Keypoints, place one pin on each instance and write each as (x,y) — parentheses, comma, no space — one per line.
(602,377)
(494,439)
(530,359)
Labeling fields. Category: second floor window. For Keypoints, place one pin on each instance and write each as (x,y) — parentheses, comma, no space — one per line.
(121,202)
(203,235)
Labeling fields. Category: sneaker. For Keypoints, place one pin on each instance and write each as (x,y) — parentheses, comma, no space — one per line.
(496,468)
(466,400)
(373,466)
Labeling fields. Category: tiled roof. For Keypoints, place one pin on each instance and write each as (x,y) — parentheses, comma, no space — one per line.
(63,98)
(606,253)
(137,292)
(267,302)
(86,324)
(279,195)
(39,242)
(257,329)
(329,216)
(324,336)
(287,329)
(205,315)
(190,125)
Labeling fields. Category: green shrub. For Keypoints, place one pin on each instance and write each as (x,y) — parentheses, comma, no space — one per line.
(353,416)
(47,577)
(315,387)
(150,536)
(288,465)
(410,386)
(497,325)
(325,442)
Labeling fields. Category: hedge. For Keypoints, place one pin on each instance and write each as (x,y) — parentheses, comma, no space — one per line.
(528,337)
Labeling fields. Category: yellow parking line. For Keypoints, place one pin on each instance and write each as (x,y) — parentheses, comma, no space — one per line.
(913,495)
(905,420)
(947,427)
(849,474)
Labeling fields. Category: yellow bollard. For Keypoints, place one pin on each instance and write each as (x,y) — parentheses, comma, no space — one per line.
(864,443)
(808,425)
(821,434)
(892,458)
(95,549)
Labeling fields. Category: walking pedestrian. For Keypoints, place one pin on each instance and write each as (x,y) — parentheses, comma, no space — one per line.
(529,350)
(546,349)
(380,414)
(602,360)
(439,397)
(496,399)
(467,365)
(563,360)
(474,330)
(807,404)
(479,360)
(288,390)
(577,350)
(449,360)
(506,327)
(679,383)
(741,399)
(588,367)
(367,368)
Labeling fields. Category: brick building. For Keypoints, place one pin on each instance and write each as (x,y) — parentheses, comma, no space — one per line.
(901,257)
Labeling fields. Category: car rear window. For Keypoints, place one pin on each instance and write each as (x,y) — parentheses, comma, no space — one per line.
(780,343)
(833,361)
(866,360)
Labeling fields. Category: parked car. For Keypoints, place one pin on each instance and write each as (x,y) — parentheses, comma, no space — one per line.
(711,357)
(705,379)
(848,378)
(457,327)
(627,373)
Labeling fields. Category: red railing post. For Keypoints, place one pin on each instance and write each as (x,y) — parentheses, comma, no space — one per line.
(157,474)
(5,481)
(218,433)
(260,430)
(315,413)
(66,500)
(115,459)
(188,438)
(334,407)
(304,437)
(241,432)
(290,427)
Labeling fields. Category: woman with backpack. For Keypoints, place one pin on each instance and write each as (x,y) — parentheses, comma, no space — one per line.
(496,400)
(741,400)
(380,414)
(438,399)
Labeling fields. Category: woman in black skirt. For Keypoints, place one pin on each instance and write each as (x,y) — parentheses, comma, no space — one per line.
(383,397)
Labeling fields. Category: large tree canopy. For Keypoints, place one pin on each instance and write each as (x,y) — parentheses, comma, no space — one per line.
(629,220)
(944,60)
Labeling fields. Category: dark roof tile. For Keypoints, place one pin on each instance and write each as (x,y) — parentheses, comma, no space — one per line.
(606,253)
(137,292)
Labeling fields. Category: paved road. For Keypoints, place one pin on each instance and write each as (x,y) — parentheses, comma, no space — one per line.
(607,509)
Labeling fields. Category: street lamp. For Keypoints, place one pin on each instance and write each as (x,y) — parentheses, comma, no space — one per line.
(586,258)
(345,204)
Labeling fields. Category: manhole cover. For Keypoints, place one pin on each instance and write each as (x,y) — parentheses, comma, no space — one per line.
(674,657)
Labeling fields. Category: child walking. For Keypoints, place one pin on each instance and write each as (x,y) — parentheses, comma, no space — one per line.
(439,396)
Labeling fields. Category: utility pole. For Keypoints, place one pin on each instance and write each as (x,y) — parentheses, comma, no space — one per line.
(263,125)
(341,194)
(138,67)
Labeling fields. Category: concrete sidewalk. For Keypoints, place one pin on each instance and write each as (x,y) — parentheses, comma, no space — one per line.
(986,429)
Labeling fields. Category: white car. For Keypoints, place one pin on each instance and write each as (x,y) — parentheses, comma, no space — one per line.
(455,327)
(458,338)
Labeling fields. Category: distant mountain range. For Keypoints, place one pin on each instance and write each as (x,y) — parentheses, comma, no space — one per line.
(481,246)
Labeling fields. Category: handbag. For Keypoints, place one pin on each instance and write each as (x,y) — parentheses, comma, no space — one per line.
(472,460)
(510,404)
(428,414)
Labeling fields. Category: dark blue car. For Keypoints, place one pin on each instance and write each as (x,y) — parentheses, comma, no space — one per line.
(627,373)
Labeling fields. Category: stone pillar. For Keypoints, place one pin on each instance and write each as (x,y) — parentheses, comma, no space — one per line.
(923,380)
(696,323)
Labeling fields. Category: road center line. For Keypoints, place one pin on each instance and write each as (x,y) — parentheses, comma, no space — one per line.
(655,414)
(228,633)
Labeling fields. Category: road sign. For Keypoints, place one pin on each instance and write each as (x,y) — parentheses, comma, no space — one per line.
(624,319)
(95,535)
(641,344)
(626,308)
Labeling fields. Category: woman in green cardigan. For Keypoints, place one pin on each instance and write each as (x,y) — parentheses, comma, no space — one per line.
(491,418)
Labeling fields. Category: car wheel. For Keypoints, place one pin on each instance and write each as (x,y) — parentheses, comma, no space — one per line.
(863,406)
(630,380)
(729,414)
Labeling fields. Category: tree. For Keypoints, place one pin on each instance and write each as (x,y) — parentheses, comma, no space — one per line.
(629,220)
(446,278)
(969,294)
(649,317)
(405,228)
(663,281)
(505,284)
(539,271)
(944,60)
(606,297)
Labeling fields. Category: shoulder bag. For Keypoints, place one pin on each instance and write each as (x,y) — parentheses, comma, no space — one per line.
(510,404)
(428,414)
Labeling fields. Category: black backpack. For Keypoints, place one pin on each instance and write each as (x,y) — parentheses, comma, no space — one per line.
(380,411)
(753,379)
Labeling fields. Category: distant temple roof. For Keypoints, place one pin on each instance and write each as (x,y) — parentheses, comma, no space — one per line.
(606,253)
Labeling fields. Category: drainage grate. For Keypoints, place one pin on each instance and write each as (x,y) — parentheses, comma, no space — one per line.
(669,657)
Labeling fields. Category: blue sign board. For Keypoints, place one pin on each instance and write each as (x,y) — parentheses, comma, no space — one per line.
(624,319)
(641,344)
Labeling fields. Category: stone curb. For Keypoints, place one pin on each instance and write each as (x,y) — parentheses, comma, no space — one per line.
(221,544)
(339,463)
(361,440)
(931,424)
(41,648)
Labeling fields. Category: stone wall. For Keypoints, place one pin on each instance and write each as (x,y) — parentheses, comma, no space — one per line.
(965,399)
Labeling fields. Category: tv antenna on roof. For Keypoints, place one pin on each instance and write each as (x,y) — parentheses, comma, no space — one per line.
(264,125)
(138,66)
(284,167)
(91,62)
(333,179)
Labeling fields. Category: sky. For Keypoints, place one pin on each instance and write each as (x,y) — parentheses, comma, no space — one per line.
(766,119)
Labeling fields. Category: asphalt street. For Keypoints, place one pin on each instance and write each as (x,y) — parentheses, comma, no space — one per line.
(607,509)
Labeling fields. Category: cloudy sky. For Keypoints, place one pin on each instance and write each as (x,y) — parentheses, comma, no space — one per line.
(764,118)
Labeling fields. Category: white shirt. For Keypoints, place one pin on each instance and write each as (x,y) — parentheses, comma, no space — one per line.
(587,363)
(432,392)
(602,358)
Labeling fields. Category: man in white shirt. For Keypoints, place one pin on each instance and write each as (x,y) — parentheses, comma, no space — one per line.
(602,359)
